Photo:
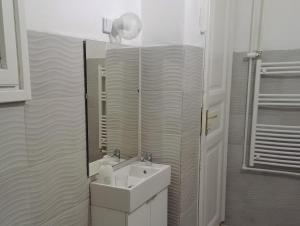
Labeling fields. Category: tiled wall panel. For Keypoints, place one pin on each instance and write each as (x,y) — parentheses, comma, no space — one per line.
(15,198)
(171,109)
(76,216)
(13,154)
(42,143)
(54,127)
(55,66)
(162,68)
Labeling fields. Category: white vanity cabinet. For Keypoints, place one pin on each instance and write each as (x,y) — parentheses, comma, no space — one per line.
(14,65)
(151,213)
(141,202)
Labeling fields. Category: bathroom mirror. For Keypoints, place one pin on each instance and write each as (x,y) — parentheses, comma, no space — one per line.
(112,103)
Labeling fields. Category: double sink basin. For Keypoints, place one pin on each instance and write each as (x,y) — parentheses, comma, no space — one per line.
(143,182)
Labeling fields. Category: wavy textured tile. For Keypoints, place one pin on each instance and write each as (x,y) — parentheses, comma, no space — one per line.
(56,65)
(193,69)
(189,168)
(57,186)
(54,127)
(165,149)
(15,199)
(191,123)
(162,68)
(171,109)
(122,110)
(122,69)
(191,111)
(12,138)
(161,111)
(76,216)
(43,177)
(125,140)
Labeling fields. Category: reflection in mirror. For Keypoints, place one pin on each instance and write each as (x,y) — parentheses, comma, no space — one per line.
(2,41)
(112,84)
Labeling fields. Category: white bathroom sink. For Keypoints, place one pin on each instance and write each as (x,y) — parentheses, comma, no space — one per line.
(144,182)
(142,171)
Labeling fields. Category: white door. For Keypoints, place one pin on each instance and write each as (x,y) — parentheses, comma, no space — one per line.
(218,57)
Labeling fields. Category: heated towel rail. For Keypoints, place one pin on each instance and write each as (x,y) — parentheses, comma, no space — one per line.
(275,147)
(103,104)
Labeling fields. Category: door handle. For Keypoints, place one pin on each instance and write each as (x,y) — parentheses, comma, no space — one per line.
(209,116)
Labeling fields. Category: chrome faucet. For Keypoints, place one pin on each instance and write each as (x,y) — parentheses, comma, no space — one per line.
(146,157)
(117,153)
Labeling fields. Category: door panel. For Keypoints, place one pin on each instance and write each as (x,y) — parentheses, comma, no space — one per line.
(212,184)
(218,25)
(213,140)
(215,119)
(213,155)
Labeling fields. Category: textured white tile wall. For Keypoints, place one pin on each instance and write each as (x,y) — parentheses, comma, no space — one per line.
(171,106)
(42,148)
(42,143)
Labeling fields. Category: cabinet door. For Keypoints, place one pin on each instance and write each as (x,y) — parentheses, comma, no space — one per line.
(159,209)
(8,46)
(107,217)
(140,217)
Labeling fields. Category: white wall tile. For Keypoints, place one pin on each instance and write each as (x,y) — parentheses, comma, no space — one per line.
(15,199)
(12,138)
(43,178)
(54,127)
(171,110)
(56,186)
(56,66)
(161,111)
(162,68)
(76,216)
